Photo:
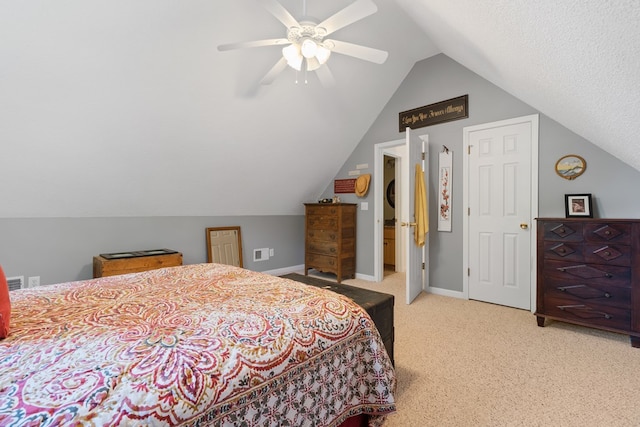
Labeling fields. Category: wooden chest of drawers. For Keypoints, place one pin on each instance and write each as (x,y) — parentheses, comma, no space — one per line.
(330,239)
(589,273)
(110,267)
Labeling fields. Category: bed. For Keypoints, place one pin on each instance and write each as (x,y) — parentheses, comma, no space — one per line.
(196,345)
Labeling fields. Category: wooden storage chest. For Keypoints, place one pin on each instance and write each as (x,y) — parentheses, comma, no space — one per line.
(110,267)
(378,305)
(589,273)
(330,239)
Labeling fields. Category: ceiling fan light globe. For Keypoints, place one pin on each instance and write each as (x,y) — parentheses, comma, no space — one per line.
(292,54)
(323,54)
(309,48)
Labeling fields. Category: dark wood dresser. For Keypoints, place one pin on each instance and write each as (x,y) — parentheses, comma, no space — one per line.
(330,239)
(589,273)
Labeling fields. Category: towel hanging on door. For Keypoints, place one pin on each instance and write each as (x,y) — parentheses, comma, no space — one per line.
(420,208)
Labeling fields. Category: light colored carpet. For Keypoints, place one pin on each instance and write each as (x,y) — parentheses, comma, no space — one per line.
(469,363)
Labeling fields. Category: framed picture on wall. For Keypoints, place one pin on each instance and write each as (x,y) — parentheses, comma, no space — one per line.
(578,205)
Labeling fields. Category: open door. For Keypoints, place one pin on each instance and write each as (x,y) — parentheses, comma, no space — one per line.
(416,256)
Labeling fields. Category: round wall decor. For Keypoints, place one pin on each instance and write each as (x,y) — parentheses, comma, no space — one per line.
(571,166)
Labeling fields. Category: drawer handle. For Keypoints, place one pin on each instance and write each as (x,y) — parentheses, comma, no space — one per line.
(607,295)
(607,232)
(608,275)
(563,250)
(607,316)
(607,253)
(561,230)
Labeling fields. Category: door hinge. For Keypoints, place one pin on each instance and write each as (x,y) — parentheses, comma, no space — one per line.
(423,155)
(423,266)
(468,211)
(468,272)
(469,149)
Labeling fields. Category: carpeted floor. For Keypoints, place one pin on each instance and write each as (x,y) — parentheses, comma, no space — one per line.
(468,363)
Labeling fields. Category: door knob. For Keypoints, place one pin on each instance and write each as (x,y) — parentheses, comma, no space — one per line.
(407,224)
(524,226)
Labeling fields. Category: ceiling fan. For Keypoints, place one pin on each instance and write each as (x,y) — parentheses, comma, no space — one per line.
(305,46)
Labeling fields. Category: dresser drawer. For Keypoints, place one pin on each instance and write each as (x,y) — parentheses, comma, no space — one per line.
(567,251)
(321,247)
(583,293)
(319,222)
(608,232)
(588,313)
(563,231)
(323,210)
(322,235)
(324,263)
(609,275)
(612,254)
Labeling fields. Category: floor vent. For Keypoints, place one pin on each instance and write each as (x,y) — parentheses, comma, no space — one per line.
(15,282)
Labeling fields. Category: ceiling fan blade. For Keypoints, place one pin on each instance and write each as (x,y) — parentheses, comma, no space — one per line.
(274,72)
(255,43)
(279,12)
(350,14)
(325,76)
(357,51)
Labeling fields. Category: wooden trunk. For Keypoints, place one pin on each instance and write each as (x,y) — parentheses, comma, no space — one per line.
(110,267)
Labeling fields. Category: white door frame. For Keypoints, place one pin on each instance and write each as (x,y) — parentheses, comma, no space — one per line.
(395,149)
(534,120)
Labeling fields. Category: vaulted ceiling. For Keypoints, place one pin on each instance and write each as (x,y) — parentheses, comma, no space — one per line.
(127,108)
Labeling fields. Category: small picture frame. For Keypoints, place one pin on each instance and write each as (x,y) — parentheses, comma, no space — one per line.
(578,205)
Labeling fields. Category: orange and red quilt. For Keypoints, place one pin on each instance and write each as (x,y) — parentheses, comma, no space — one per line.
(196,345)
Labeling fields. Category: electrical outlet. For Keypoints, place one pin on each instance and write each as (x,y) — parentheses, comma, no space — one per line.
(34,281)
(271,252)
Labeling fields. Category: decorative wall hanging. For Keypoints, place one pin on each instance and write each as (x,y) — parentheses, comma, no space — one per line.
(344,185)
(578,205)
(445,164)
(432,114)
(570,166)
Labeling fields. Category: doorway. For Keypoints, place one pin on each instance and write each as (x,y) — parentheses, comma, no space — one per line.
(411,154)
(390,217)
(394,150)
(500,195)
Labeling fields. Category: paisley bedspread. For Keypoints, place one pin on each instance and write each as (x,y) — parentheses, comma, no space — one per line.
(196,345)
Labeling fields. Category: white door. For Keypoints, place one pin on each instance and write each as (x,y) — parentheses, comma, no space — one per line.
(416,275)
(499,208)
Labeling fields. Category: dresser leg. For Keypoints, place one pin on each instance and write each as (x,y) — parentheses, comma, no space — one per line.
(540,321)
(635,342)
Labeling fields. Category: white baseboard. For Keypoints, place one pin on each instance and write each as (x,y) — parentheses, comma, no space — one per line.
(285,270)
(366,277)
(445,292)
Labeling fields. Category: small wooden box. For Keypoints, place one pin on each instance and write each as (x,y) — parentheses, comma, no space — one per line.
(110,267)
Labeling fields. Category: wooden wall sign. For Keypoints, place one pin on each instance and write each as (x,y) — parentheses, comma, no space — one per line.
(344,185)
(433,114)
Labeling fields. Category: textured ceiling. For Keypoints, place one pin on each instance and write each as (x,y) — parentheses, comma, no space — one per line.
(127,108)
(577,61)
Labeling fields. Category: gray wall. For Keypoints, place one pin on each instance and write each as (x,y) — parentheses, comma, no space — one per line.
(62,249)
(439,78)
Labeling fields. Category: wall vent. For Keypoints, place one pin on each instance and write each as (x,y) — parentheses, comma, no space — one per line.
(15,283)
(261,254)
